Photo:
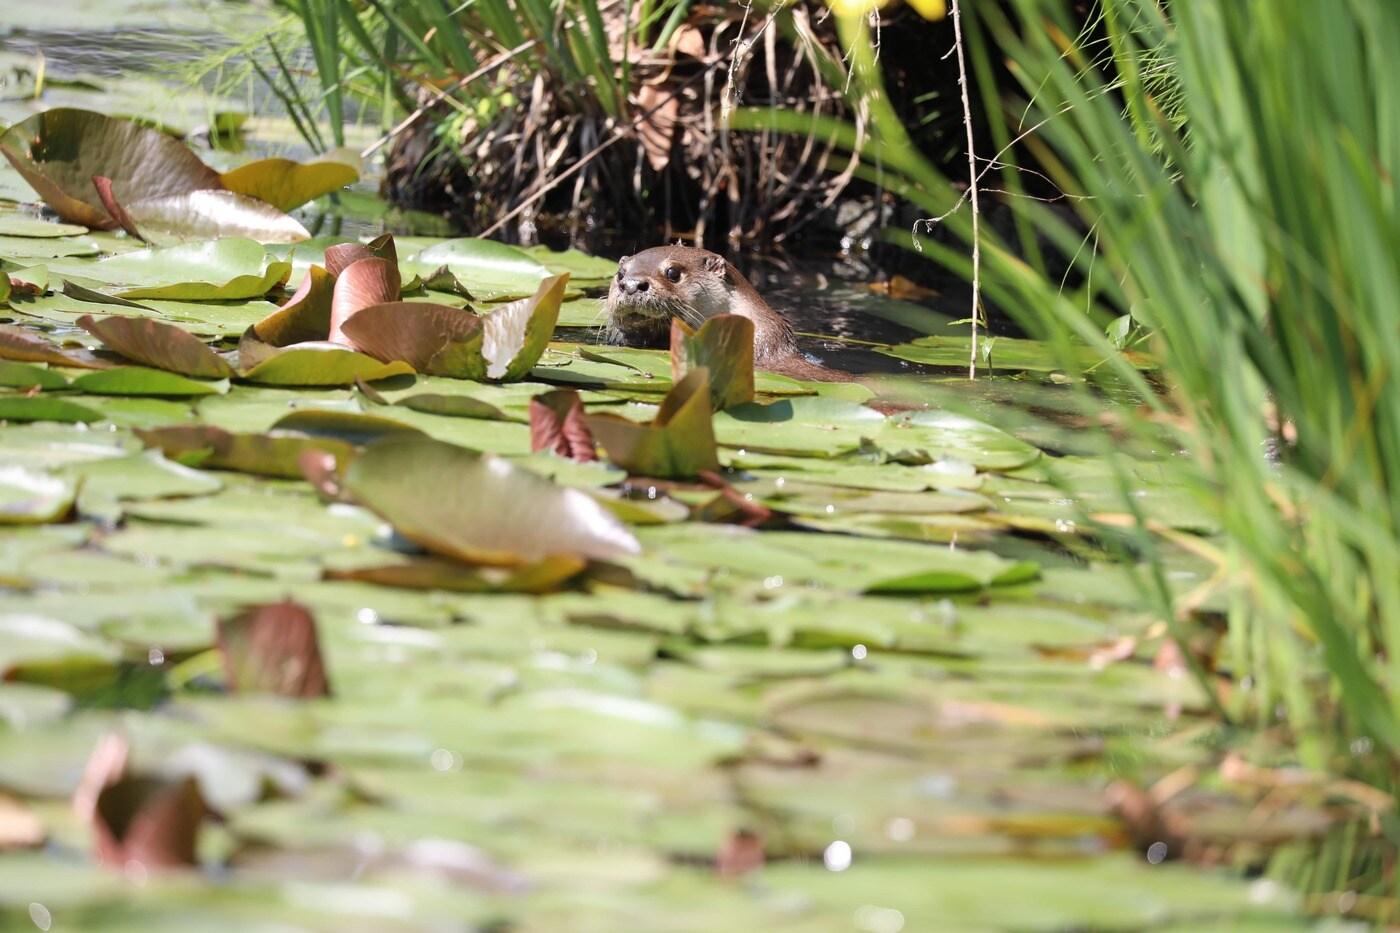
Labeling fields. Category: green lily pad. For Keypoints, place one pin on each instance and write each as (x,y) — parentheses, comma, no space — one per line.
(23,225)
(212,270)
(515,335)
(580,266)
(480,508)
(25,249)
(139,380)
(286,184)
(931,436)
(29,375)
(210,213)
(321,364)
(45,408)
(1006,353)
(679,442)
(489,269)
(32,498)
(810,426)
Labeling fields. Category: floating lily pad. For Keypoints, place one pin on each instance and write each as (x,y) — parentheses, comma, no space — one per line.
(139,380)
(29,375)
(480,508)
(32,498)
(808,426)
(27,346)
(213,270)
(1006,353)
(515,335)
(361,284)
(321,364)
(490,269)
(433,339)
(932,436)
(306,316)
(45,408)
(27,249)
(211,213)
(206,446)
(23,225)
(724,346)
(158,345)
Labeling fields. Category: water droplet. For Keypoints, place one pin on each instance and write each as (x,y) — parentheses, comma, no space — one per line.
(837,856)
(830,509)
(780,482)
(651,492)
(155,656)
(1361,746)
(872,919)
(859,652)
(40,915)
(1064,525)
(773,582)
(367,616)
(442,760)
(1156,853)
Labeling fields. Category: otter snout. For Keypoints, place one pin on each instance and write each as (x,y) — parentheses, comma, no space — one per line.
(634,285)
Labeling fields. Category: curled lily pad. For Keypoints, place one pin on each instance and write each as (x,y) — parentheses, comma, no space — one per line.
(516,334)
(151,822)
(60,150)
(157,344)
(320,364)
(26,346)
(434,339)
(724,346)
(306,316)
(28,497)
(361,284)
(679,442)
(340,255)
(557,424)
(273,454)
(478,507)
(140,380)
(273,649)
(286,184)
(213,270)
(213,213)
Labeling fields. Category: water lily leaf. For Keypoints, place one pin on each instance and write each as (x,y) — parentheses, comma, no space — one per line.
(29,281)
(113,207)
(321,364)
(933,436)
(436,573)
(362,283)
(83,293)
(209,447)
(679,442)
(212,213)
(286,184)
(272,649)
(1007,353)
(151,822)
(580,266)
(60,150)
(724,346)
(306,316)
(145,475)
(45,408)
(29,376)
(350,427)
(139,380)
(488,268)
(454,406)
(22,249)
(557,425)
(516,334)
(432,338)
(213,270)
(479,507)
(16,224)
(812,426)
(158,345)
(341,255)
(28,497)
(26,346)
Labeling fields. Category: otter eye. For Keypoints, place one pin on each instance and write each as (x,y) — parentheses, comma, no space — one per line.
(673,273)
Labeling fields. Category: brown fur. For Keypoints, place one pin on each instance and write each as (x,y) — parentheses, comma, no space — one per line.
(643,298)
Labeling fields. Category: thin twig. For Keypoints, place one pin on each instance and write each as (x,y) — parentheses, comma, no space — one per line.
(972,188)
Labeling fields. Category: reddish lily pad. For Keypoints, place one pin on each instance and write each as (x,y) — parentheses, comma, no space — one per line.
(435,339)
(361,284)
(724,346)
(273,649)
(157,344)
(480,508)
(557,424)
(678,443)
(26,346)
(272,454)
(60,150)
(341,255)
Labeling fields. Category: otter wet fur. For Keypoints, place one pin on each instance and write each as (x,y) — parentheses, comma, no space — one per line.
(694,285)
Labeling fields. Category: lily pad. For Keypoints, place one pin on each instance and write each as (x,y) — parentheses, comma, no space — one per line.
(140,380)
(434,339)
(679,442)
(27,249)
(60,150)
(321,364)
(158,345)
(933,436)
(209,447)
(45,408)
(490,269)
(23,225)
(478,507)
(286,184)
(213,270)
(724,346)
(28,497)
(27,346)
(1006,353)
(306,316)
(558,425)
(361,284)
(212,213)
(29,376)
(514,336)
(810,426)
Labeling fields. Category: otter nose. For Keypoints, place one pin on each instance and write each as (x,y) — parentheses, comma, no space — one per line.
(633,286)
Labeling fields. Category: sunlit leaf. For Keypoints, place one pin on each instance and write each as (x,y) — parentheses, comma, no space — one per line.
(320,364)
(27,346)
(158,345)
(478,507)
(436,573)
(212,270)
(724,346)
(486,267)
(31,498)
(212,213)
(60,150)
(21,408)
(341,255)
(516,334)
(29,375)
(286,184)
(15,224)
(306,316)
(679,442)
(209,447)
(362,283)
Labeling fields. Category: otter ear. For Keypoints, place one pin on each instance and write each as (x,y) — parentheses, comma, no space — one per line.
(716,264)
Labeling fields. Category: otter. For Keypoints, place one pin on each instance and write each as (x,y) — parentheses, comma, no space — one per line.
(694,285)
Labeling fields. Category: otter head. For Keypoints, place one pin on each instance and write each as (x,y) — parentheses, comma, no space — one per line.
(664,282)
